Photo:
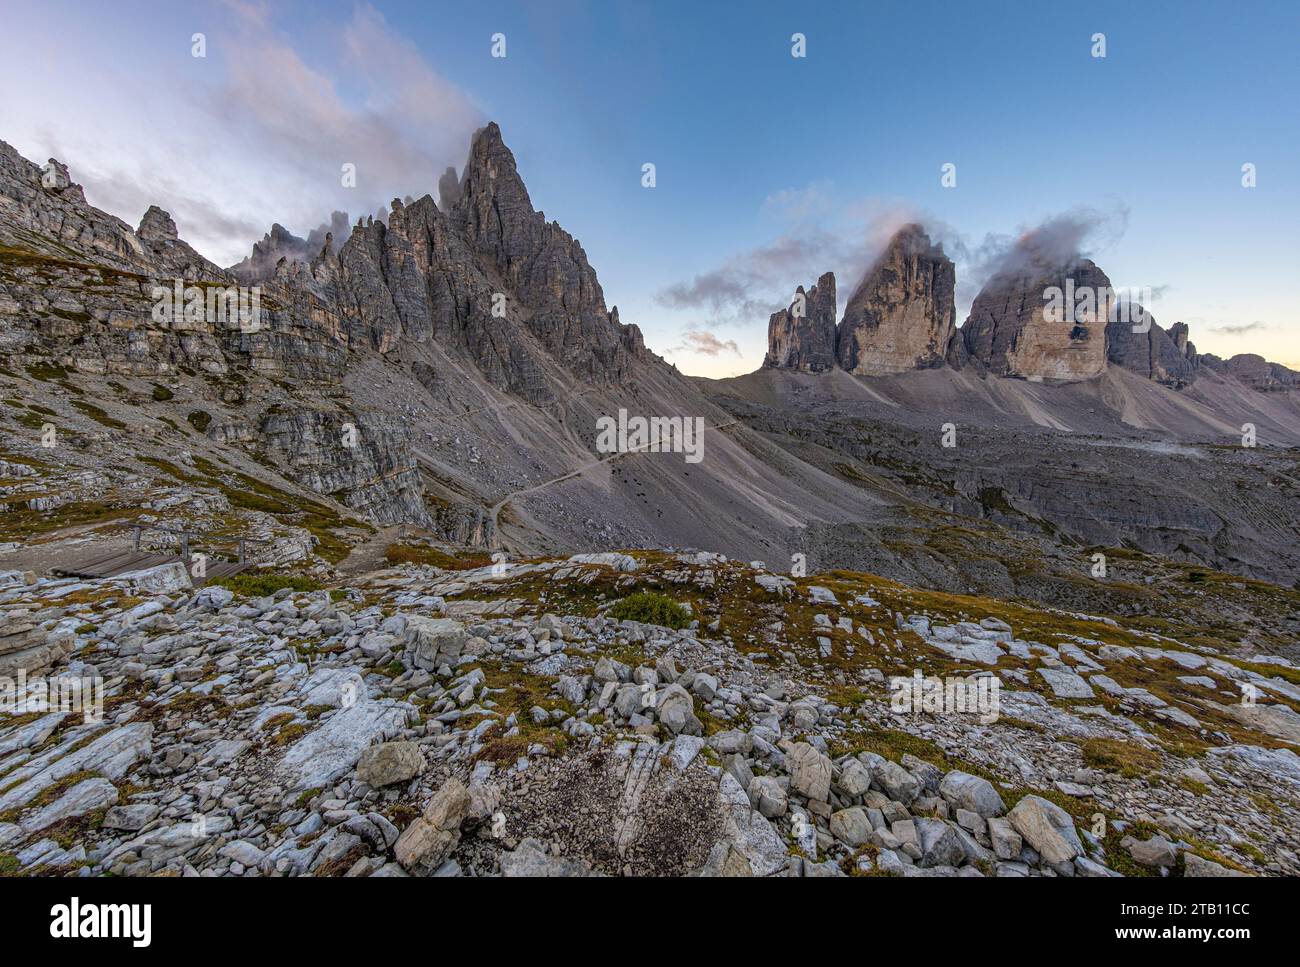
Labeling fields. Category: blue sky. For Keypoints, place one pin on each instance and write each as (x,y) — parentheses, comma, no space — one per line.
(770,169)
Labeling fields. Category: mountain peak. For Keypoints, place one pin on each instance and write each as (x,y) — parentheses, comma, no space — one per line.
(157,226)
(1011,331)
(902,314)
(491,175)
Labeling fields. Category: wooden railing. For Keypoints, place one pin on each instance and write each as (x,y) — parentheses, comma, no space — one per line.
(137,531)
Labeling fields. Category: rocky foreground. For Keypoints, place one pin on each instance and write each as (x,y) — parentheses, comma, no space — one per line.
(501,720)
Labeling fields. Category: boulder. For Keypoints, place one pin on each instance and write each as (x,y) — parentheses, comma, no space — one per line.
(974,793)
(939,842)
(332,749)
(1155,852)
(851,826)
(810,771)
(896,782)
(855,779)
(1007,843)
(163,579)
(425,843)
(768,796)
(1047,828)
(434,642)
(676,711)
(389,762)
(1194,865)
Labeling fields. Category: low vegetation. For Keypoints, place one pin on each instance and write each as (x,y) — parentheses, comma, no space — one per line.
(260,585)
(652,608)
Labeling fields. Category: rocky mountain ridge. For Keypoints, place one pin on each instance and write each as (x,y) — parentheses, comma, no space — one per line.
(901,318)
(449,657)
(468,353)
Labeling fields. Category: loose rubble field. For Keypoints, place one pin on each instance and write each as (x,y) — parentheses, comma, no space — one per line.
(460,720)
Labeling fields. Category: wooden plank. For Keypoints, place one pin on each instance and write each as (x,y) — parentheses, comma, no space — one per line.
(111,565)
(119,562)
(101,561)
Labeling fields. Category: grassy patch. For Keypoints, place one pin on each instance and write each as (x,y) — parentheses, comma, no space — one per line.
(652,608)
(48,795)
(249,493)
(47,372)
(1117,856)
(22,523)
(423,554)
(98,415)
(290,733)
(261,585)
(1128,758)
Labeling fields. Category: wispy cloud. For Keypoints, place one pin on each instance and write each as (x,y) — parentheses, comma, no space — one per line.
(748,287)
(255,132)
(704,343)
(814,200)
(755,282)
(1054,241)
(1239,329)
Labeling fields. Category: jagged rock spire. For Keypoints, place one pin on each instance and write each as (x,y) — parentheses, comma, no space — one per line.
(802,336)
(157,226)
(1153,353)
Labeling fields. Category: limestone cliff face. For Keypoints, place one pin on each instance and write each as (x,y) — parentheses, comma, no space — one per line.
(1255,371)
(802,336)
(1156,354)
(358,460)
(42,210)
(1012,332)
(902,315)
(79,287)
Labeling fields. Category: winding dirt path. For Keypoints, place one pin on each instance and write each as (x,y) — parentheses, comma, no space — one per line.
(370,555)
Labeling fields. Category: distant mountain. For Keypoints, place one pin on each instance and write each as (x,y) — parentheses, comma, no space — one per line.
(901,318)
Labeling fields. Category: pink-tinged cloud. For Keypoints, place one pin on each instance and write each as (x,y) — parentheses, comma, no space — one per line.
(704,343)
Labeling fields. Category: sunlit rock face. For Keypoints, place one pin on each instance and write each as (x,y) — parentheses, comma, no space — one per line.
(901,316)
(1015,329)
